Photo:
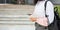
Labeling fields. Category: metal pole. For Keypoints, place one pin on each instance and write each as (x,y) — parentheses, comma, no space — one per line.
(5,1)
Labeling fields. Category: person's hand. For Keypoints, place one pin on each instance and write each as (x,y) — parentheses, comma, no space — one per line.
(33,19)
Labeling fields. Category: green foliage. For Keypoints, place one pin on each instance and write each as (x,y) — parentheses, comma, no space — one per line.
(58,9)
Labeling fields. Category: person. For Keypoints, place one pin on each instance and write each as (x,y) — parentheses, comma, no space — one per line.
(40,12)
(20,1)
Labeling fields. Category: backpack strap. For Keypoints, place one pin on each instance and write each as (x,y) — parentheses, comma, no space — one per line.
(45,11)
(45,8)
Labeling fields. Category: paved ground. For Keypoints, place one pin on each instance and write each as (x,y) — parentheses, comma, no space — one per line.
(14,17)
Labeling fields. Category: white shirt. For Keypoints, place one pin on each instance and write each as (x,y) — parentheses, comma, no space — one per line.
(40,12)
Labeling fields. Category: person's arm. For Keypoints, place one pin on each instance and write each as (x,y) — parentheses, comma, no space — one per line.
(50,11)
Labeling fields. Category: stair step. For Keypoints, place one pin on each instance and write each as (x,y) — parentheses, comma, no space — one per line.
(12,19)
(15,19)
(14,16)
(9,9)
(17,27)
(17,22)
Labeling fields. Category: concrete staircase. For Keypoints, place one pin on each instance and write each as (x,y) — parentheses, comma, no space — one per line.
(15,19)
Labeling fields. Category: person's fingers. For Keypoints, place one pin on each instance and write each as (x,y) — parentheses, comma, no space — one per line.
(33,19)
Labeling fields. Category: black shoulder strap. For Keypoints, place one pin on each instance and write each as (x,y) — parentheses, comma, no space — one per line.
(45,7)
(45,10)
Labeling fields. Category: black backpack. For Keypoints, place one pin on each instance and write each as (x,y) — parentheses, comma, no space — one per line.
(57,17)
(53,25)
(56,13)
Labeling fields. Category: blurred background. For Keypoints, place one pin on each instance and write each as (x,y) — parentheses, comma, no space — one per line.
(14,14)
